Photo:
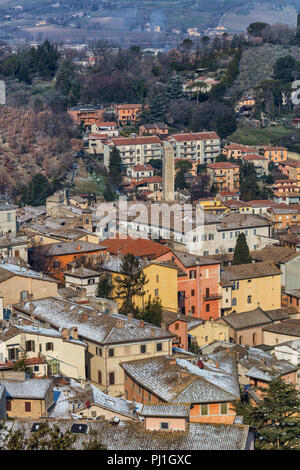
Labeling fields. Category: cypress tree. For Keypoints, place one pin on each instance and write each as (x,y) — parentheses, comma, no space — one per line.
(241,251)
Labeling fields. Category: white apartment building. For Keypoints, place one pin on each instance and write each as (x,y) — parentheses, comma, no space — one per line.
(202,146)
(134,150)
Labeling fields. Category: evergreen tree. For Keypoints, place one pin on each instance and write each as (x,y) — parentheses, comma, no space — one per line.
(275,417)
(131,284)
(104,288)
(156,111)
(174,88)
(67,83)
(151,312)
(180,182)
(249,188)
(241,251)
(115,168)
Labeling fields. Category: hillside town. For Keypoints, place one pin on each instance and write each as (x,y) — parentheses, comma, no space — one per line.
(149,250)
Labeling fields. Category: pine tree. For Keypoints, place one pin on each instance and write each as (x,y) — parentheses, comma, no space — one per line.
(131,284)
(151,312)
(174,88)
(156,111)
(275,417)
(104,288)
(241,251)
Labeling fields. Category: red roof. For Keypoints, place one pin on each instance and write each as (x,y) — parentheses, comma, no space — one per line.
(222,165)
(135,140)
(254,157)
(140,247)
(107,124)
(143,168)
(98,136)
(195,136)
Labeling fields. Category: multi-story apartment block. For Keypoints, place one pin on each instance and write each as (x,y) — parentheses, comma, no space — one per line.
(134,150)
(225,175)
(274,154)
(237,151)
(202,146)
(127,113)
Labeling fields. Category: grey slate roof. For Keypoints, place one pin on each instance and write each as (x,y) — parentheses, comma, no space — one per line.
(132,436)
(31,388)
(235,221)
(239,321)
(171,410)
(101,328)
(189,260)
(184,382)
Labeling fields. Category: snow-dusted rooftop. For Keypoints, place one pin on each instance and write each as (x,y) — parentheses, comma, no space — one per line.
(184,382)
(102,328)
(31,388)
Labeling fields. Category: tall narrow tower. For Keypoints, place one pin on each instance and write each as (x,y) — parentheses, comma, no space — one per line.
(168,172)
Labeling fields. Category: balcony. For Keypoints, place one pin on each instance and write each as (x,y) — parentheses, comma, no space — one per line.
(212,296)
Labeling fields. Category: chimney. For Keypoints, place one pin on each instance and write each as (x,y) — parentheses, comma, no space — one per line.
(65,333)
(152,331)
(130,316)
(120,324)
(142,324)
(85,316)
(163,325)
(74,332)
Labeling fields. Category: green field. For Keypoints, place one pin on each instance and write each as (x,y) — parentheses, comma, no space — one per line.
(256,136)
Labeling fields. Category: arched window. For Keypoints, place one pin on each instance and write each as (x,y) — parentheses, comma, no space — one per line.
(249,299)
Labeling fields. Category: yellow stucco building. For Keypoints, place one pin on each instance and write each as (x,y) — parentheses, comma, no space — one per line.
(253,285)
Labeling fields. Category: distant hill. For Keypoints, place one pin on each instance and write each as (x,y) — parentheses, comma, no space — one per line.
(35,19)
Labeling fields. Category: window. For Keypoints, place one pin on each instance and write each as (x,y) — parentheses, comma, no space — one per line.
(111,352)
(49,346)
(157,278)
(29,346)
(207,292)
(176,326)
(143,348)
(159,347)
(9,217)
(164,425)
(27,406)
(98,351)
(223,235)
(36,368)
(192,293)
(207,307)
(111,378)
(249,299)
(193,274)
(240,340)
(223,408)
(99,377)
(234,301)
(193,309)
(56,264)
(204,410)
(254,336)
(8,405)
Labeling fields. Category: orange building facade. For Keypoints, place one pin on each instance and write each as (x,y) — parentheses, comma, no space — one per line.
(198,291)
(222,412)
(127,113)
(225,175)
